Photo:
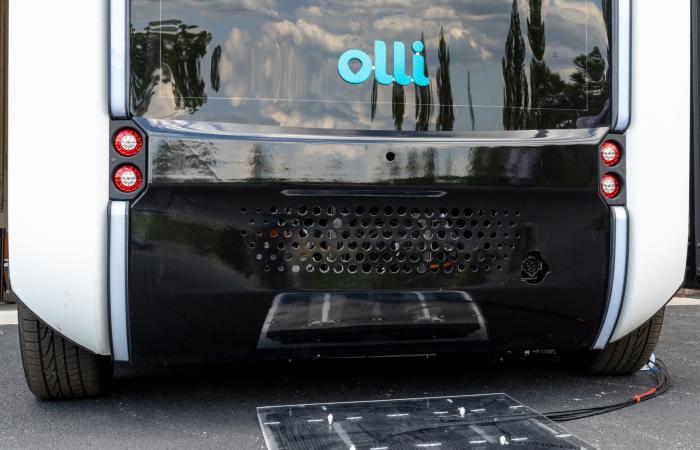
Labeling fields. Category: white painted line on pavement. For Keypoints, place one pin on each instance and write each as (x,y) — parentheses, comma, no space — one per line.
(8,315)
(684,301)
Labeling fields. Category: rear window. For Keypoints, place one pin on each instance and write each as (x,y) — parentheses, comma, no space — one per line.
(437,66)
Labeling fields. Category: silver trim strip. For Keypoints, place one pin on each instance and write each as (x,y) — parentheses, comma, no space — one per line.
(622,63)
(118,232)
(620,224)
(118,57)
(184,129)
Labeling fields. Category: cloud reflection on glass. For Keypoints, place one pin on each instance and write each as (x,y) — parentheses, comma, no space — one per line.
(492,64)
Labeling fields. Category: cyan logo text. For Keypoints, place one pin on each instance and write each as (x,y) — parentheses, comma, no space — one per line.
(380,68)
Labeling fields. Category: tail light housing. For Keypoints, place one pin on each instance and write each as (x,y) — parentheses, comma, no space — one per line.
(128,178)
(610,153)
(610,186)
(128,142)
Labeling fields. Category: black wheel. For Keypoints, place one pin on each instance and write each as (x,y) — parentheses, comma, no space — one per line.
(56,368)
(622,357)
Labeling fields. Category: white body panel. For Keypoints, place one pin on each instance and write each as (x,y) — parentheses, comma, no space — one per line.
(58,131)
(658,153)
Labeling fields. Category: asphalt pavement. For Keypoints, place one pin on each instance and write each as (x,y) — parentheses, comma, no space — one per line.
(215,406)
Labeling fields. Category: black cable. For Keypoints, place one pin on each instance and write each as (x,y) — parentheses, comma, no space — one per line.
(663,384)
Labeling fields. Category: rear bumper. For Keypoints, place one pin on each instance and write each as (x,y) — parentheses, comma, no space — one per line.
(209,281)
(486,257)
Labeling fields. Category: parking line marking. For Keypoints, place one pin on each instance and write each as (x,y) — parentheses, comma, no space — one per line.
(8,315)
(684,301)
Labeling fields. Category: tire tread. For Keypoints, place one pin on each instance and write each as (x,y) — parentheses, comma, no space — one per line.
(56,368)
(621,357)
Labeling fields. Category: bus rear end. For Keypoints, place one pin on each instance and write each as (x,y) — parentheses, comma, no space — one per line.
(323,179)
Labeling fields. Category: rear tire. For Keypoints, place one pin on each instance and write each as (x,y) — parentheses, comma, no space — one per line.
(56,368)
(622,357)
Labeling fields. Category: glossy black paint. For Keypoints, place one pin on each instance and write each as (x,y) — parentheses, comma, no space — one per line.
(215,273)
(519,161)
(493,64)
(289,213)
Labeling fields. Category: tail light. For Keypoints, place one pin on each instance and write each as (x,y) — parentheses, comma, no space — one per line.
(610,153)
(128,178)
(128,142)
(610,186)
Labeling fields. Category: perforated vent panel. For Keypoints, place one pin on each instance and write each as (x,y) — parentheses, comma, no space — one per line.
(324,241)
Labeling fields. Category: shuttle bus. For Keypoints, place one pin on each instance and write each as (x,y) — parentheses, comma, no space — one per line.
(221,180)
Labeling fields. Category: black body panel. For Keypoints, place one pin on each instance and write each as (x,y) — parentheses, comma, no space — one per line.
(231,260)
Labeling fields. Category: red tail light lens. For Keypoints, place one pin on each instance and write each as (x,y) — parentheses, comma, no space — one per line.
(128,178)
(128,142)
(610,186)
(610,153)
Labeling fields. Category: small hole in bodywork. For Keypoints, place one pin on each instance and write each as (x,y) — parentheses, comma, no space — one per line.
(390,156)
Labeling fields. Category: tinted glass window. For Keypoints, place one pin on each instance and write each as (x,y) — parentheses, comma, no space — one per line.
(447,65)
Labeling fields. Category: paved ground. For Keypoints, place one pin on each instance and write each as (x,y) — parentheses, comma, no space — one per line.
(214,407)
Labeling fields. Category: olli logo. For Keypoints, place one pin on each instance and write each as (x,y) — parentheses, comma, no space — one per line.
(379,67)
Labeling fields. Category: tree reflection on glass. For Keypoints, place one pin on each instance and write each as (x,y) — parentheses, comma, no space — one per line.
(165,52)
(215,63)
(424,96)
(539,72)
(373,112)
(470,99)
(446,113)
(589,84)
(398,105)
(548,100)
(515,92)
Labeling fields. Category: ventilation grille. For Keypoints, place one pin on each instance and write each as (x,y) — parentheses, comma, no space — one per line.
(384,240)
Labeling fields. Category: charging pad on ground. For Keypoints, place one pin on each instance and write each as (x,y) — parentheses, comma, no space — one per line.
(461,422)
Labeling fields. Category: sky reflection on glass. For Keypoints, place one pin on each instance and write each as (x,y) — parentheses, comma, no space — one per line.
(492,64)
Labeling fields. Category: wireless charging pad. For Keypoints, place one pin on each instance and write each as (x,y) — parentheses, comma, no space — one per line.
(462,422)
